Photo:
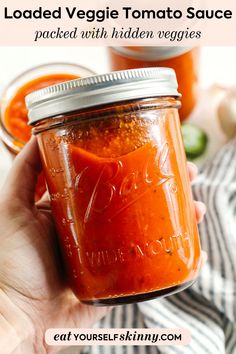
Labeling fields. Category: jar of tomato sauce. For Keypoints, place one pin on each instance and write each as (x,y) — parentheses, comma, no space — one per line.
(183,60)
(14,128)
(115,167)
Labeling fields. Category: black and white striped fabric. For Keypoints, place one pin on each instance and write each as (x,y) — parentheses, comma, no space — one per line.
(208,308)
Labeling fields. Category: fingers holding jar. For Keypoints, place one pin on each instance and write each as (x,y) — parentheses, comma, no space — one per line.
(200,207)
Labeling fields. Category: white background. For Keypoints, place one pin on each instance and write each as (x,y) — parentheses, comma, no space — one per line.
(218,64)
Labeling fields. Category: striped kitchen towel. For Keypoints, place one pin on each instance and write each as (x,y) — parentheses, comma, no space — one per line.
(208,308)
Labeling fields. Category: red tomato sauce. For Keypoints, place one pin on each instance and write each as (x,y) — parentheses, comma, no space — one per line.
(185,66)
(16,115)
(122,205)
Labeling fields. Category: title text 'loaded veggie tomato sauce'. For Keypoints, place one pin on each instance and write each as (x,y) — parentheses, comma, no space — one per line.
(115,166)
(15,130)
(183,60)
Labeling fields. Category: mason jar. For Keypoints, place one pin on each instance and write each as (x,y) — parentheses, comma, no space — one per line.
(184,60)
(115,166)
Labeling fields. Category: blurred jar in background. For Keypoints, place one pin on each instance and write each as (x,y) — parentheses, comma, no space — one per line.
(14,128)
(183,60)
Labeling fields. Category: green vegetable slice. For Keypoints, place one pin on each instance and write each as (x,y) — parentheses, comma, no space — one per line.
(195,140)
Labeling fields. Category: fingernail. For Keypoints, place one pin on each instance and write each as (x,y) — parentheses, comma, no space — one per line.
(203,207)
(193,166)
(204,257)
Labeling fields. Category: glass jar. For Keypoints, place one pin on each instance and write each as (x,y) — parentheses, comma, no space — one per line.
(14,128)
(115,166)
(183,60)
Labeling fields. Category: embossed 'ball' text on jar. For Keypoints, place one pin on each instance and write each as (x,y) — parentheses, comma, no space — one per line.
(115,166)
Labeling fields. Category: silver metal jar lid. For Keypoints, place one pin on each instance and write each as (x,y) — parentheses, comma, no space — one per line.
(152,53)
(92,91)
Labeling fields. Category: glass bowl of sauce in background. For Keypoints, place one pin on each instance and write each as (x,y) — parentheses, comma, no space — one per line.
(185,62)
(14,129)
(115,166)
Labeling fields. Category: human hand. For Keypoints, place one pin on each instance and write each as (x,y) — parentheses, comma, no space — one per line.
(34,295)
(200,208)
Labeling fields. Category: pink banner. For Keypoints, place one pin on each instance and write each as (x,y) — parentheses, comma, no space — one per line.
(103,22)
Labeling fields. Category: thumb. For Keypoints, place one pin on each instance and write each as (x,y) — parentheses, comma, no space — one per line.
(22,179)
